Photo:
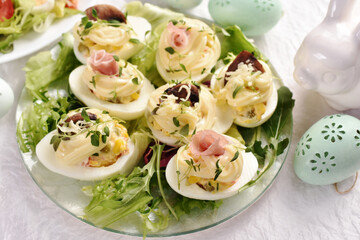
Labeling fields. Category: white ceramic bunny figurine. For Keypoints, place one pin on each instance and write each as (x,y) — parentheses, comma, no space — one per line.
(328,60)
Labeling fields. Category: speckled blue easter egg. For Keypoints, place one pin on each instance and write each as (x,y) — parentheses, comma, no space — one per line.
(183,4)
(254,17)
(329,151)
(6,97)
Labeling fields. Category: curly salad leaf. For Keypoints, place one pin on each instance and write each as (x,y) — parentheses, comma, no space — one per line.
(144,193)
(24,20)
(41,117)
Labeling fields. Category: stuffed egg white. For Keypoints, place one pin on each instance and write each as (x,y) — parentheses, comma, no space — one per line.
(106,27)
(247,86)
(213,166)
(176,111)
(188,48)
(88,144)
(112,85)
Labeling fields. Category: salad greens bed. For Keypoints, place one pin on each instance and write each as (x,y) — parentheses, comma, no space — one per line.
(145,191)
(23,20)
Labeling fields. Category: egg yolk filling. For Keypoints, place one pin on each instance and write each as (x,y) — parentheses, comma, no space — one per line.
(90,138)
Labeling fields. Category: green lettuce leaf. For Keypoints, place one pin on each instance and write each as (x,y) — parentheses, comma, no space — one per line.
(233,40)
(42,69)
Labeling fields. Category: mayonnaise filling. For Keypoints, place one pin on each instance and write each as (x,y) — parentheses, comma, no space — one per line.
(77,145)
(196,56)
(122,88)
(179,120)
(246,91)
(114,40)
(212,173)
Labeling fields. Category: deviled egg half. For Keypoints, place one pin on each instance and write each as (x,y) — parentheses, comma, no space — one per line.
(176,111)
(88,144)
(106,27)
(213,166)
(111,84)
(188,48)
(247,86)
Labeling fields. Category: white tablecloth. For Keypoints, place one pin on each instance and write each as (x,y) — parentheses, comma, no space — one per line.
(290,209)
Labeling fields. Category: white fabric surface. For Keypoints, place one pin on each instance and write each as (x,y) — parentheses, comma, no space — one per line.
(290,209)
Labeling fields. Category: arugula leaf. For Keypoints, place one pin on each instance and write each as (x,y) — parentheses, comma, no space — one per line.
(259,152)
(273,130)
(282,114)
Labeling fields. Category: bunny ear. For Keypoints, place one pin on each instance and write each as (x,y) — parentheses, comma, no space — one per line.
(339,9)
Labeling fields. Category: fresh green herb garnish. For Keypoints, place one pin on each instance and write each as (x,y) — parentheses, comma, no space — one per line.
(94,13)
(236,155)
(237,89)
(174,22)
(176,122)
(192,165)
(170,50)
(93,81)
(185,103)
(185,130)
(84,115)
(218,170)
(134,40)
(135,81)
(116,58)
(95,138)
(183,67)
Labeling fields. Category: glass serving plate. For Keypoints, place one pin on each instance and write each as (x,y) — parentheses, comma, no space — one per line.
(67,193)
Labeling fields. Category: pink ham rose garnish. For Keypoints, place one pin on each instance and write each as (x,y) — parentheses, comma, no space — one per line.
(179,37)
(208,143)
(104,63)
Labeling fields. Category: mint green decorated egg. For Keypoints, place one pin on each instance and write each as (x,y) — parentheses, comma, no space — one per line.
(254,17)
(329,151)
(183,4)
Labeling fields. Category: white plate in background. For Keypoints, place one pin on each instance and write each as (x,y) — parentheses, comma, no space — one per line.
(32,41)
